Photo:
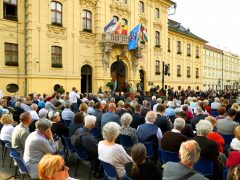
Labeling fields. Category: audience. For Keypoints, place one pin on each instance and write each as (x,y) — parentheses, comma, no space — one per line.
(7,129)
(110,116)
(138,119)
(67,114)
(162,121)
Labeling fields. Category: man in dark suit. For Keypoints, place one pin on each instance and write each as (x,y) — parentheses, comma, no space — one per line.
(199,116)
(98,114)
(137,118)
(162,121)
(172,140)
(209,148)
(146,108)
(126,109)
(110,116)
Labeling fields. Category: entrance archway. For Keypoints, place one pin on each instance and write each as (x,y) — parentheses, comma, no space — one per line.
(118,74)
(142,77)
(86,79)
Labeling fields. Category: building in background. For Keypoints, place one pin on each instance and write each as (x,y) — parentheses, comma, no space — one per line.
(221,69)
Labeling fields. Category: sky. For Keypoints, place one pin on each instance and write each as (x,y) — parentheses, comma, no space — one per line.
(217,21)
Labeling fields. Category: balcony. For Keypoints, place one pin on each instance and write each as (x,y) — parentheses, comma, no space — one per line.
(115,38)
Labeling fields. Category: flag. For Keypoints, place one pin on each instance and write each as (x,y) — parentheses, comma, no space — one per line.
(143,34)
(111,23)
(115,27)
(118,28)
(124,30)
(134,37)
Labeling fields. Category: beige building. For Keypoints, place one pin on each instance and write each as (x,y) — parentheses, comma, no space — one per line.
(48,44)
(221,69)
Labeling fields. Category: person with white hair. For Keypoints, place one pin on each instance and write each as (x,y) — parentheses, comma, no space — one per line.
(33,112)
(199,116)
(67,114)
(170,109)
(159,101)
(37,144)
(189,154)
(209,148)
(111,152)
(153,101)
(216,104)
(126,120)
(149,133)
(174,136)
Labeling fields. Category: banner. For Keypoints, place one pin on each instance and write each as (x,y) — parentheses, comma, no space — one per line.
(107,27)
(134,37)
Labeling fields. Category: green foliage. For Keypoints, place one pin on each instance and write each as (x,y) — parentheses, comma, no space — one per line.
(110,85)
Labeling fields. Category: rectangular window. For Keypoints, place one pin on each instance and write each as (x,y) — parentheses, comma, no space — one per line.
(169,70)
(157,13)
(123,1)
(56,13)
(157,66)
(197,52)
(178,71)
(188,72)
(56,56)
(179,47)
(10,9)
(87,21)
(11,54)
(197,73)
(169,45)
(157,39)
(188,50)
(141,6)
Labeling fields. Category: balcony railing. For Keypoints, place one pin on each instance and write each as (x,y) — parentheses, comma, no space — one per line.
(115,38)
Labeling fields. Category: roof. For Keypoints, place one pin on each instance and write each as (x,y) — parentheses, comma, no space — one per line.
(177,27)
(213,48)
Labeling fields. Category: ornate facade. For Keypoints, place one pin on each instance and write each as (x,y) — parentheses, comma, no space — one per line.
(48,44)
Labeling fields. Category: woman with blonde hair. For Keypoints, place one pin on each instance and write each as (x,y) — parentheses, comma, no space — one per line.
(53,167)
(7,129)
(83,108)
(237,108)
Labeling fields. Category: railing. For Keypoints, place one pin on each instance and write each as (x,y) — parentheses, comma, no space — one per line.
(115,38)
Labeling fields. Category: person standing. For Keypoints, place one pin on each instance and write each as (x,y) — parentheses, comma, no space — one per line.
(73,98)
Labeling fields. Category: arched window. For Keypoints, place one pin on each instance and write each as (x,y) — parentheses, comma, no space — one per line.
(124,22)
(56,13)
(56,56)
(157,39)
(115,19)
(157,13)
(87,21)
(141,6)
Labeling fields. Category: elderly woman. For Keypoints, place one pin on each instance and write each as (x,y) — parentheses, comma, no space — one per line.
(120,105)
(37,144)
(221,113)
(7,129)
(234,155)
(53,167)
(214,136)
(111,152)
(126,120)
(189,154)
(140,168)
(237,108)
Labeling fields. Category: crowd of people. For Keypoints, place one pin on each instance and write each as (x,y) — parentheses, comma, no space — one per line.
(189,123)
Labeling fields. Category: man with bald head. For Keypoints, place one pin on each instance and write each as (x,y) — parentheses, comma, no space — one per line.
(110,116)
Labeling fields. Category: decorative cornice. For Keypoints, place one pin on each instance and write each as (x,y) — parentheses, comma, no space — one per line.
(157,25)
(87,36)
(56,29)
(88,3)
(143,19)
(120,9)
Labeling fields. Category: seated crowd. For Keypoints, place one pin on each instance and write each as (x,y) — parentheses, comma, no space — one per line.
(194,127)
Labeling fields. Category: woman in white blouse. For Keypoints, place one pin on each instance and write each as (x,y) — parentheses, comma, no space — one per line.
(7,129)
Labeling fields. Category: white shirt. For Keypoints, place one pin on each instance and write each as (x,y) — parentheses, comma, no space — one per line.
(34,115)
(6,133)
(235,144)
(155,107)
(215,105)
(73,96)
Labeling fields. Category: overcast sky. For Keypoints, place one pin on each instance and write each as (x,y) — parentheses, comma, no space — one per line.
(217,21)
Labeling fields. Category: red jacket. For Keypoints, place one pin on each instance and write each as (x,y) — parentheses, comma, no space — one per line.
(218,139)
(233,159)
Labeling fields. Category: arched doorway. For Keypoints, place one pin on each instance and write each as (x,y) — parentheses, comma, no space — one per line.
(86,79)
(118,74)
(142,77)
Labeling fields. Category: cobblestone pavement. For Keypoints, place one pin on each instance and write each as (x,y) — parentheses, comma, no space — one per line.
(82,174)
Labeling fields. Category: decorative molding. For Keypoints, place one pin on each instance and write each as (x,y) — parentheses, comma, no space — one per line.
(87,36)
(136,54)
(143,19)
(157,25)
(88,3)
(120,9)
(106,49)
(56,29)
